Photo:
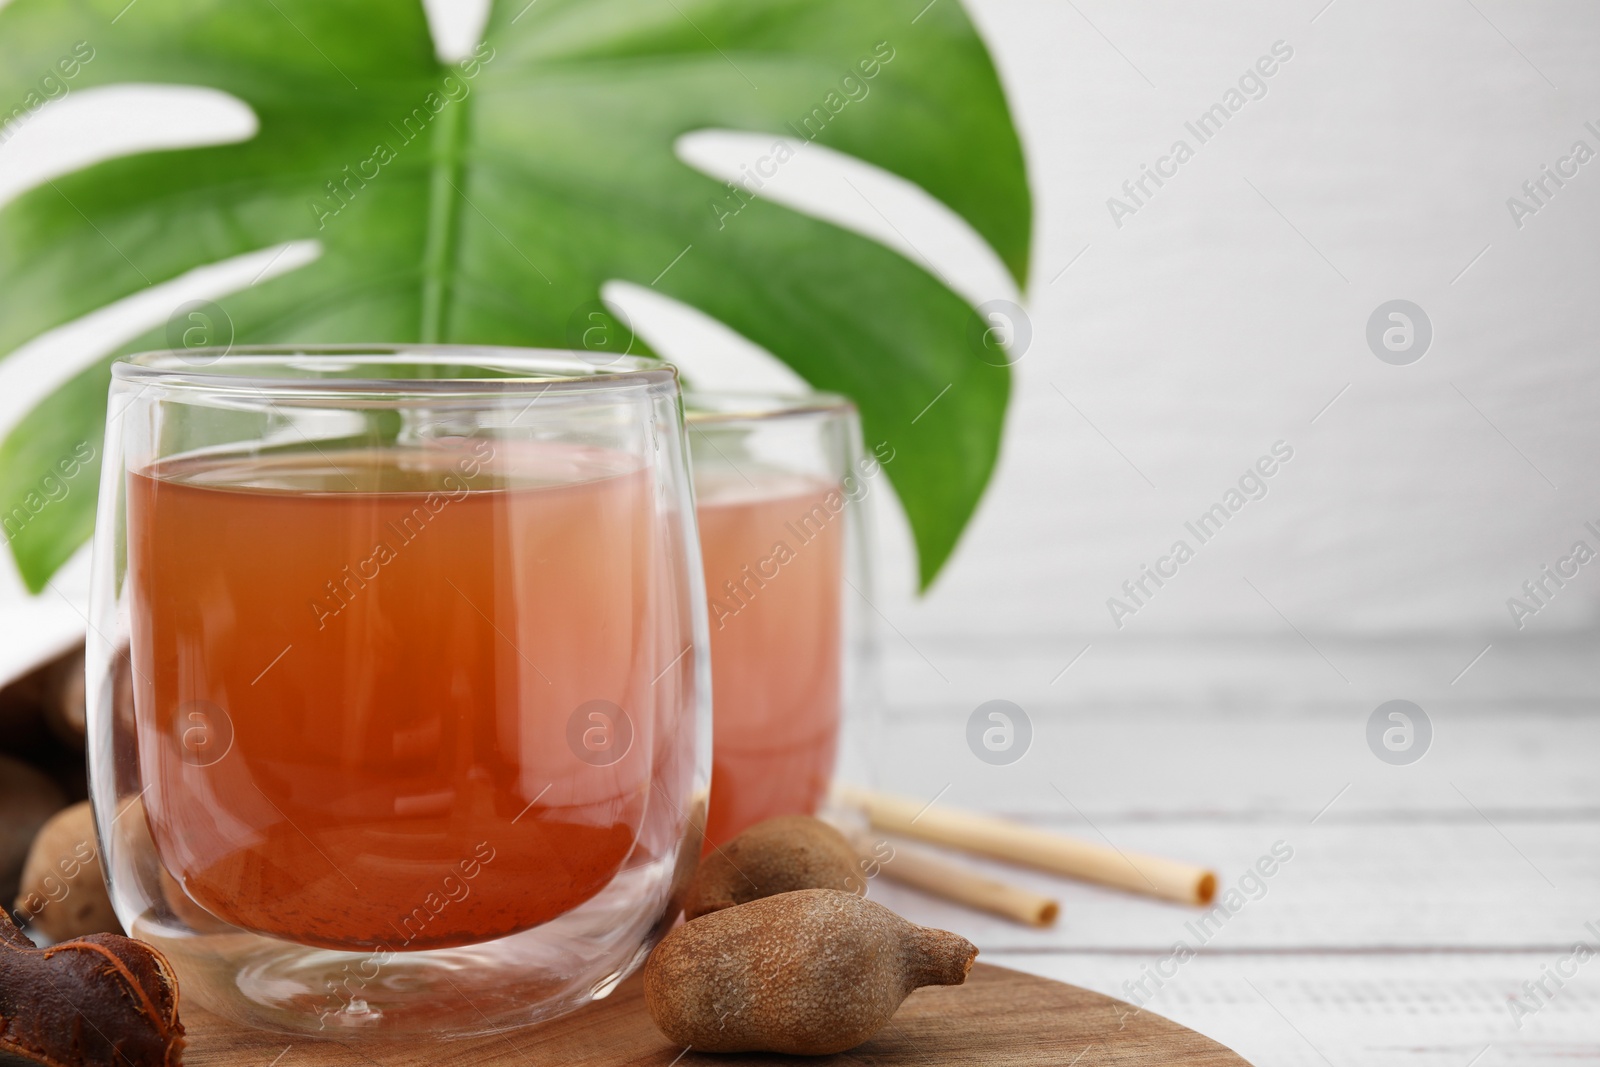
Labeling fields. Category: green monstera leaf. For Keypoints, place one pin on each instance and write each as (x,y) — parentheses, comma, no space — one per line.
(488,201)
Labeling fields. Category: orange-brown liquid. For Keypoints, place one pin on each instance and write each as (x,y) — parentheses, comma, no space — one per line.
(774,558)
(357,674)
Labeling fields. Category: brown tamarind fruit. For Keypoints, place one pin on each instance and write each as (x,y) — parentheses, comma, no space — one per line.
(779,855)
(809,973)
(63,893)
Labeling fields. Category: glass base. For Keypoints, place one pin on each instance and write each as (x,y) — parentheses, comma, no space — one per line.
(499,985)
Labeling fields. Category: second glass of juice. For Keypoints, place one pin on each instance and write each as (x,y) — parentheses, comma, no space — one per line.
(780,484)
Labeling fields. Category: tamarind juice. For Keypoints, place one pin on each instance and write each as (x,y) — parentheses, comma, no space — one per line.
(774,557)
(399,698)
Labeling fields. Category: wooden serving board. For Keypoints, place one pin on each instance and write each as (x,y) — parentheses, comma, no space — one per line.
(1000,1018)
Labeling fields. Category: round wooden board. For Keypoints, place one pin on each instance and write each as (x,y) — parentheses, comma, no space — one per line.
(999,1018)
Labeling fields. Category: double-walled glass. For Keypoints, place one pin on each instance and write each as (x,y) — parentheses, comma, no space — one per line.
(398,676)
(781,483)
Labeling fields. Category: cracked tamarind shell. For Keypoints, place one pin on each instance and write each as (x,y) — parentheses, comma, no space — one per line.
(807,973)
(99,1001)
(779,855)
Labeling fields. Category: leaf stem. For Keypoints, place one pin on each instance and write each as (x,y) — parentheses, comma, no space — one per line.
(444,210)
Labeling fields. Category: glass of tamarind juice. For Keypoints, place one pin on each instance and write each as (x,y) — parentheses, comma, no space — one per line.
(398,679)
(780,484)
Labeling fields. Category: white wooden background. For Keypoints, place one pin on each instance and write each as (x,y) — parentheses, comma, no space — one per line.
(1232,711)
(1418,901)
(1168,354)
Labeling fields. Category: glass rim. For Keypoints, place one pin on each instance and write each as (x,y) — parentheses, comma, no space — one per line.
(225,369)
(736,406)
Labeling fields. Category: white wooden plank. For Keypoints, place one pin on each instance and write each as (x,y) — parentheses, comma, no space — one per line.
(1279,669)
(1415,1010)
(1348,887)
(1510,761)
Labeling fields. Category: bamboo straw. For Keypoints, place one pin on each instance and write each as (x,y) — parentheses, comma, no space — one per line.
(923,870)
(989,836)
